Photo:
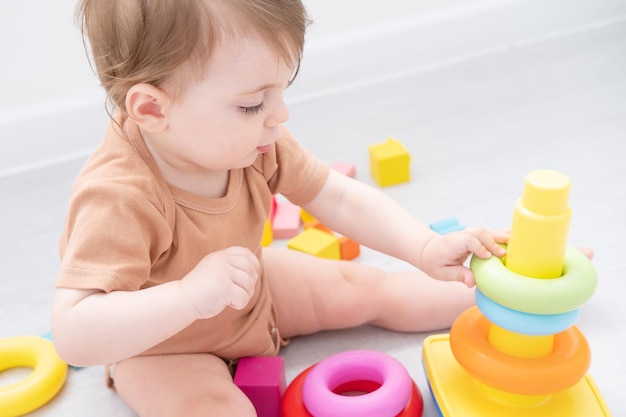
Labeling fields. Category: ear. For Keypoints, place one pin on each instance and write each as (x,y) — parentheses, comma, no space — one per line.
(145,104)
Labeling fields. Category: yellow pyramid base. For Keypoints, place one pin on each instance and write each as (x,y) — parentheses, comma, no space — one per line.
(457,394)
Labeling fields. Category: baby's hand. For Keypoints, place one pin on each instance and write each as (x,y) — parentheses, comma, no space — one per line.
(443,256)
(225,278)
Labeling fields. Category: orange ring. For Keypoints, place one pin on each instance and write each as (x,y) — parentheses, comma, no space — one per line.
(292,404)
(565,366)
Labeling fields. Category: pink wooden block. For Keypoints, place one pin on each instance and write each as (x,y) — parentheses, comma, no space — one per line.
(286,223)
(273,208)
(262,379)
(345,168)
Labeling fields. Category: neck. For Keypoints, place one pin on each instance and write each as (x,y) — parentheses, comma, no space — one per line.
(186,176)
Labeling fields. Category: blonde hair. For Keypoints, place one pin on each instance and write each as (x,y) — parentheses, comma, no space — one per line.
(148,41)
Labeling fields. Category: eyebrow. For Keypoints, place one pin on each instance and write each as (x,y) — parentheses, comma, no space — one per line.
(260,88)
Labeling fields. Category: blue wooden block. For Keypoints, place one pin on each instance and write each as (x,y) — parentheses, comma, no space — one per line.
(451,224)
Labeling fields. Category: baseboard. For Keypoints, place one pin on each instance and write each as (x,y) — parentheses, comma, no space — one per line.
(50,134)
(66,129)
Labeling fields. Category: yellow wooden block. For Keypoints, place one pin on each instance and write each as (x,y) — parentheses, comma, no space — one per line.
(268,235)
(316,242)
(305,216)
(389,162)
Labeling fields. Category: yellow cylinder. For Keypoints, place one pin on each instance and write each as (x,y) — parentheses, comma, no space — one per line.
(520,345)
(536,249)
(540,226)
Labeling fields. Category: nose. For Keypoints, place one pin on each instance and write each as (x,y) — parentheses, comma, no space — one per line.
(278,115)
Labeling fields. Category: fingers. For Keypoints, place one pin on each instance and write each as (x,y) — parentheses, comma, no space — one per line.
(245,273)
(239,289)
(467,277)
(499,235)
(444,257)
(244,260)
(457,273)
(487,242)
(225,278)
(239,297)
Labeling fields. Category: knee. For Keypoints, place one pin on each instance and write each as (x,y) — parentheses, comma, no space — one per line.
(236,403)
(216,404)
(153,392)
(233,403)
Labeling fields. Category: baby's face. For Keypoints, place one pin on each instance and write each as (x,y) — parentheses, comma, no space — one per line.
(233,112)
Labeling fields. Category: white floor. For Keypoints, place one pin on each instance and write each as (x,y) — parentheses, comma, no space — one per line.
(474,128)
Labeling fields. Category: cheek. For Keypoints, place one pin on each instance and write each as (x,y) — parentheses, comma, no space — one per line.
(228,133)
(234,145)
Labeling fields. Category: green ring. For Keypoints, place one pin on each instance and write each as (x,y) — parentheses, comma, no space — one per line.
(537,295)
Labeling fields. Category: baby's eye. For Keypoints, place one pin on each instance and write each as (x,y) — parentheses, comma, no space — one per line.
(252,110)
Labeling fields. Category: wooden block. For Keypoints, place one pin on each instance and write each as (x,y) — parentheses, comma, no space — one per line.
(389,162)
(345,168)
(451,224)
(315,242)
(305,216)
(268,235)
(286,223)
(317,225)
(349,248)
(273,208)
(262,379)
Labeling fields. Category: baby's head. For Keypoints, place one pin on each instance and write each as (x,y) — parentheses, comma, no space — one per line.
(169,43)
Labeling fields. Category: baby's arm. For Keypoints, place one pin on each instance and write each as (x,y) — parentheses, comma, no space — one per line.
(372,218)
(92,327)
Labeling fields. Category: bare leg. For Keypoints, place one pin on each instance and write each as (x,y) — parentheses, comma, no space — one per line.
(313,294)
(180,385)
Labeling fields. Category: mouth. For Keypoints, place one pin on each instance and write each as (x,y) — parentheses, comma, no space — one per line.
(263,149)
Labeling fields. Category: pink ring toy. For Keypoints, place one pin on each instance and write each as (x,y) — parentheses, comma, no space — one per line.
(291,404)
(359,365)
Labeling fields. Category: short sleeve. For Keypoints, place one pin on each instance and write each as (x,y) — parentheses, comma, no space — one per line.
(299,175)
(113,235)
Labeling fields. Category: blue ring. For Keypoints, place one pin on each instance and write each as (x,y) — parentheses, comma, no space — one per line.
(525,323)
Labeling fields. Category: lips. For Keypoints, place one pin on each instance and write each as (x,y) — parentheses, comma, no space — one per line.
(263,149)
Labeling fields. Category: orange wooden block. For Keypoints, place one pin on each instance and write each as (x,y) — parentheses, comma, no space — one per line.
(349,248)
(317,225)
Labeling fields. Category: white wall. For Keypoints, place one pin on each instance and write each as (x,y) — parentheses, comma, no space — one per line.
(51,107)
(42,54)
(47,86)
(44,60)
(332,18)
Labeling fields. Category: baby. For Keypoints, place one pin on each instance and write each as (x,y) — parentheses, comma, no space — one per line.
(163,273)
